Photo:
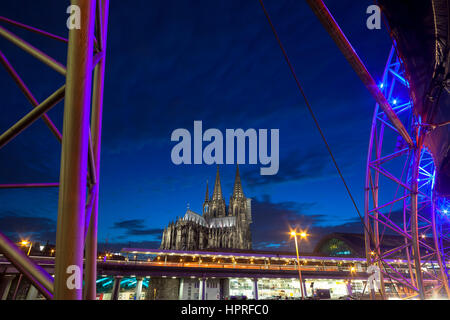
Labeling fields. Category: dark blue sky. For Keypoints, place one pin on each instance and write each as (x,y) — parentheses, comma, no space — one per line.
(172,62)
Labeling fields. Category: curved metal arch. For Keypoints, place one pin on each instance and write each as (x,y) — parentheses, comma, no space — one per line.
(399,193)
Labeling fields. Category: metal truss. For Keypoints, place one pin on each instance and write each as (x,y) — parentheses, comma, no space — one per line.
(80,151)
(400,198)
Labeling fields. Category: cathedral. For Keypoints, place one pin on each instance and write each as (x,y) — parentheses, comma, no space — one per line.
(218,227)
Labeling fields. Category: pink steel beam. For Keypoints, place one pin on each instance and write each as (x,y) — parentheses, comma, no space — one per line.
(28,185)
(327,20)
(96,128)
(13,73)
(33,29)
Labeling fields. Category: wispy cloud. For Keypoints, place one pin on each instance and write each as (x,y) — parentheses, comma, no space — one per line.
(19,226)
(137,227)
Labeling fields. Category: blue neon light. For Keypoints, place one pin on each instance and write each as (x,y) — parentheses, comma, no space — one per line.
(107,283)
(102,279)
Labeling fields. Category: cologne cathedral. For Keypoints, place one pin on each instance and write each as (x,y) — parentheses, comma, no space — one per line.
(218,227)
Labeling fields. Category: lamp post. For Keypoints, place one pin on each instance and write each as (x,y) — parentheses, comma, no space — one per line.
(302,235)
(23,243)
(352,272)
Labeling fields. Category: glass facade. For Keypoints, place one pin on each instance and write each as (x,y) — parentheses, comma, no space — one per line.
(244,288)
(335,288)
(241,288)
(269,289)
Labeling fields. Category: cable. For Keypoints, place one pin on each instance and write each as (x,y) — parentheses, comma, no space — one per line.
(310,110)
(319,129)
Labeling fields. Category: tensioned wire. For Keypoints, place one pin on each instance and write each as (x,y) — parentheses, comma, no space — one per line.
(368,229)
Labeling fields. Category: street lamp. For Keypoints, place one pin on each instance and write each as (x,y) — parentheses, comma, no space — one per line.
(23,243)
(302,235)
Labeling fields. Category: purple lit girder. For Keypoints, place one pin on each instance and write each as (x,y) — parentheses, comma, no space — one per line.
(77,217)
(399,191)
(96,128)
(329,23)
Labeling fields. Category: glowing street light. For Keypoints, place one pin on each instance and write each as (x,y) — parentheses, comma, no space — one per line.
(23,243)
(26,243)
(302,235)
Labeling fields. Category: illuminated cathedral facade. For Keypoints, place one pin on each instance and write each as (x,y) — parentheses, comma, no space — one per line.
(218,227)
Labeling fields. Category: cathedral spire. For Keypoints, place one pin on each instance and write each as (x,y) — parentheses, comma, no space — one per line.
(217,193)
(207,192)
(237,190)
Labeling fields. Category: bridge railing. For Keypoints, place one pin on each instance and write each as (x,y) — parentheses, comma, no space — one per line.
(234,265)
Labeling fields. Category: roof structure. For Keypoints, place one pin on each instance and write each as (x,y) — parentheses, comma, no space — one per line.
(422,35)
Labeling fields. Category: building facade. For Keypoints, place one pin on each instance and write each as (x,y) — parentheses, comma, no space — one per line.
(218,227)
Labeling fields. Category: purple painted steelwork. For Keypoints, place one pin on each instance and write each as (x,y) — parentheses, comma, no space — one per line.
(23,87)
(415,198)
(74,157)
(80,156)
(33,29)
(96,128)
(29,185)
(38,54)
(330,24)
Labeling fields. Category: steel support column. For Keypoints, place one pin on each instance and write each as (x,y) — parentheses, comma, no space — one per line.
(414,221)
(32,293)
(255,289)
(5,286)
(440,259)
(96,128)
(202,288)
(116,288)
(138,291)
(74,156)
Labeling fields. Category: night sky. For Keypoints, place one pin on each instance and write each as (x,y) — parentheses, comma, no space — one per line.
(172,62)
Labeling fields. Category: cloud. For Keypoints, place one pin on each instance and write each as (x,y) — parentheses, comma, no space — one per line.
(33,227)
(136,227)
(272,222)
(297,165)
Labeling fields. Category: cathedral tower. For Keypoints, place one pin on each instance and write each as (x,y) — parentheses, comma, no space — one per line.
(217,202)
